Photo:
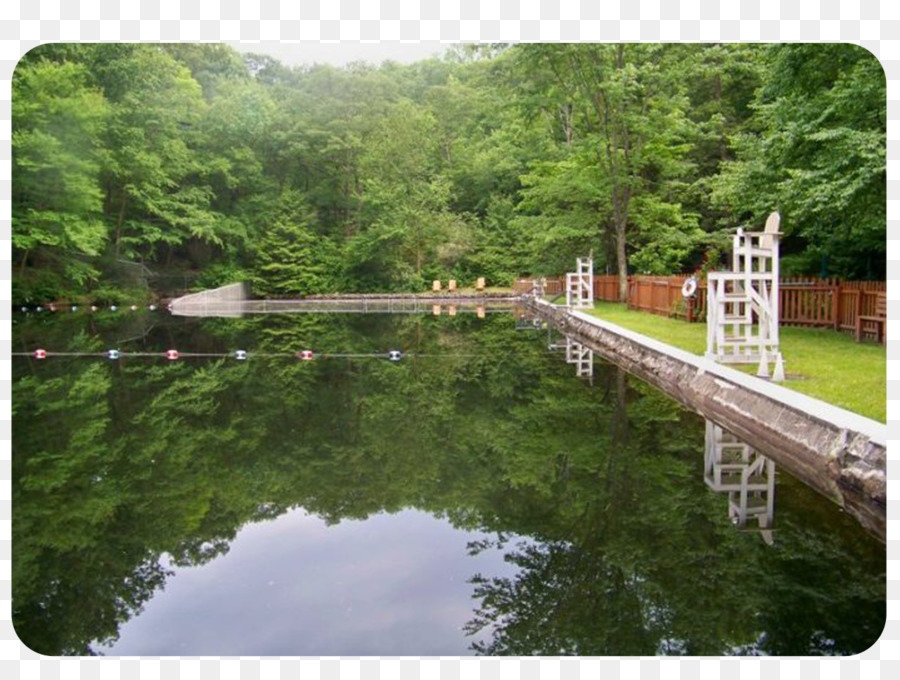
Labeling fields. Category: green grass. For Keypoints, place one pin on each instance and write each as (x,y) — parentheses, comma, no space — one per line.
(822,363)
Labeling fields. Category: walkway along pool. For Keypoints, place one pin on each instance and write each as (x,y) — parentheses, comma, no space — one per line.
(478,497)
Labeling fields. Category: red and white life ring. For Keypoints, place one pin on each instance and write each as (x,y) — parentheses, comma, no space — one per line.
(689,287)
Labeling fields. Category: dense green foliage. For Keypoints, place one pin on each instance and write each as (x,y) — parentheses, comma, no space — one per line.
(492,161)
(593,490)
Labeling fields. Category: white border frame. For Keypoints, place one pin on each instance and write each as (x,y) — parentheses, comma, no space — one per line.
(875,24)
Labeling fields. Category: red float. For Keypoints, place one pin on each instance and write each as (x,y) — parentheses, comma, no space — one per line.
(40,354)
(172,354)
(306,355)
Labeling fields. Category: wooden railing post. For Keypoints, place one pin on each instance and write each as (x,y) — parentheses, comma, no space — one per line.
(859,306)
(836,306)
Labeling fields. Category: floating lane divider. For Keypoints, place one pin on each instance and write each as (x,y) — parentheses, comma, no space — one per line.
(240,355)
(74,308)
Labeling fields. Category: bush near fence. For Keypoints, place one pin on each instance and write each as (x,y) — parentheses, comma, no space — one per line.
(804,301)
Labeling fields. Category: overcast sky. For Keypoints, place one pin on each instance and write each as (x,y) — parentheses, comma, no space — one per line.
(339,54)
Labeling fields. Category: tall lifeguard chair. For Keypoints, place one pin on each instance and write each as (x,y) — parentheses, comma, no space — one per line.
(742,304)
(580,283)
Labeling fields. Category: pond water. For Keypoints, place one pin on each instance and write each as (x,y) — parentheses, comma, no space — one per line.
(481,496)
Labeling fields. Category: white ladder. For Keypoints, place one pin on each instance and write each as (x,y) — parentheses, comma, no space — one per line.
(742,304)
(580,284)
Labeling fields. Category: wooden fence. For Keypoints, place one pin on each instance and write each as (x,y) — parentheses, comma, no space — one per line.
(825,303)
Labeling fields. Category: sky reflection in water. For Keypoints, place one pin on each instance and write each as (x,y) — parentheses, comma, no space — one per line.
(391,585)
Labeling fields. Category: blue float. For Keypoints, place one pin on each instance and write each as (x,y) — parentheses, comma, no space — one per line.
(395,355)
(240,355)
(112,354)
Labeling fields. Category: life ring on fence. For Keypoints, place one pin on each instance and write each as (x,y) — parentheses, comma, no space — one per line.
(689,287)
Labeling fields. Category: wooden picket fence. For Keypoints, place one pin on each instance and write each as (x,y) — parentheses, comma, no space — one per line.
(804,301)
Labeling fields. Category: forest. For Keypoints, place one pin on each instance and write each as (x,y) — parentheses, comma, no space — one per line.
(138,162)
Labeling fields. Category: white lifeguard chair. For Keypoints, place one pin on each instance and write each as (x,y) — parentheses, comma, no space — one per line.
(580,283)
(742,305)
(734,467)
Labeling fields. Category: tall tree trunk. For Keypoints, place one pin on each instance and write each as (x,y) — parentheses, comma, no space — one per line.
(623,198)
(620,220)
(621,260)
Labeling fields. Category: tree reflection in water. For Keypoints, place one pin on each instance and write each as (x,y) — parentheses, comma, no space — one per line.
(118,464)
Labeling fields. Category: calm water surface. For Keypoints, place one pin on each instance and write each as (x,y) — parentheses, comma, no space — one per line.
(476,498)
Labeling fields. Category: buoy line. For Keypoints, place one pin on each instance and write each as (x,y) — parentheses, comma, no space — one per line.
(28,309)
(239,355)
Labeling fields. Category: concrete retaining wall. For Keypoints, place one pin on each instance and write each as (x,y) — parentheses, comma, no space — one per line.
(840,454)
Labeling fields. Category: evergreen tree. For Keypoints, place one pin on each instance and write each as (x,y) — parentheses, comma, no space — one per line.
(290,260)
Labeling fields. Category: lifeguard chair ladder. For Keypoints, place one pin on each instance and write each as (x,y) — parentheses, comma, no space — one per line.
(580,284)
(742,305)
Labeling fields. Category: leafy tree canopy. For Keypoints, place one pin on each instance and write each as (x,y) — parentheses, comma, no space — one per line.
(496,161)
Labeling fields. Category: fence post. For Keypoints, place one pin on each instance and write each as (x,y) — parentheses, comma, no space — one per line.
(836,306)
(859,309)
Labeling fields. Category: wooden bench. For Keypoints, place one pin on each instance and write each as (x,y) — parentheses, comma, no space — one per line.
(874,324)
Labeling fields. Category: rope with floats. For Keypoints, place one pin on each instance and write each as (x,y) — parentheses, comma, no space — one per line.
(393,355)
(25,309)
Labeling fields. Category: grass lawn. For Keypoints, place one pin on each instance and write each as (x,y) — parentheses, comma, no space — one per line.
(821,363)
